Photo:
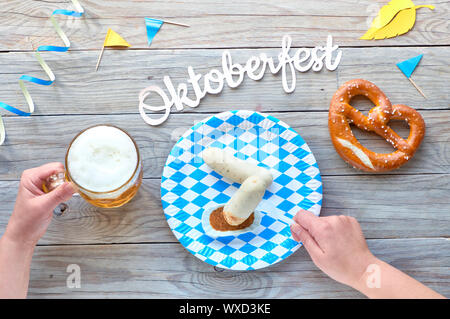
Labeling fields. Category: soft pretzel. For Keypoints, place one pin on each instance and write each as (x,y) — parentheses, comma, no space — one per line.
(341,114)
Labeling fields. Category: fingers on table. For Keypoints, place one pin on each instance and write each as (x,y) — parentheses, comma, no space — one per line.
(307,230)
(301,234)
(309,221)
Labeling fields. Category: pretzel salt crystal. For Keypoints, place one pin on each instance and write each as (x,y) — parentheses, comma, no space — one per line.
(348,147)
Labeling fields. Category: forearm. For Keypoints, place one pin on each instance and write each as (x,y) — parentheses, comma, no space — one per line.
(15,260)
(385,281)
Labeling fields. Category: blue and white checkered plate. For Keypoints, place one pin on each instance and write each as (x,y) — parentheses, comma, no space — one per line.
(189,186)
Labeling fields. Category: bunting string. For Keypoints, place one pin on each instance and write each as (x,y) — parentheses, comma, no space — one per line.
(43,48)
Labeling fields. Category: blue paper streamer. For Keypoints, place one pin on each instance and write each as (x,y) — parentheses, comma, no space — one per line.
(153,26)
(48,71)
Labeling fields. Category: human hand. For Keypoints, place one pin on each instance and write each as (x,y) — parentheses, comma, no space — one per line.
(336,245)
(33,210)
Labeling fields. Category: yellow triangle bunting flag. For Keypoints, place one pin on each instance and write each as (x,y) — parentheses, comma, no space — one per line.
(112,39)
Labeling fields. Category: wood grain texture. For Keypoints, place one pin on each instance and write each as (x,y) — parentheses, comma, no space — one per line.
(169,271)
(396,206)
(34,141)
(130,251)
(114,89)
(214,24)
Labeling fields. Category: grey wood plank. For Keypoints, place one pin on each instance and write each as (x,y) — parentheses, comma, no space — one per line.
(169,271)
(410,203)
(34,141)
(396,206)
(214,24)
(123,74)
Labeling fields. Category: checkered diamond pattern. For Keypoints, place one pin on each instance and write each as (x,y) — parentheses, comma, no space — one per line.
(188,185)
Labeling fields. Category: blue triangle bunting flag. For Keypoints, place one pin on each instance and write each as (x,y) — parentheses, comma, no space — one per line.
(408,66)
(153,26)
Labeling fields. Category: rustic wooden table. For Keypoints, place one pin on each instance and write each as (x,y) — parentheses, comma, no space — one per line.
(131,252)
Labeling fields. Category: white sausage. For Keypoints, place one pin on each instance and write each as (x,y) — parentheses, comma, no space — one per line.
(226,164)
(245,200)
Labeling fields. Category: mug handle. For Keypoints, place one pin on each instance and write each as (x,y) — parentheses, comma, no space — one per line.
(52,182)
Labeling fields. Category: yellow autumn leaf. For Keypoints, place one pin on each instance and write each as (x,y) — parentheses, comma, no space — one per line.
(388,12)
(385,15)
(402,22)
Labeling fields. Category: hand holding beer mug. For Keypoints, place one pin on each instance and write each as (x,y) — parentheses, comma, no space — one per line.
(104,164)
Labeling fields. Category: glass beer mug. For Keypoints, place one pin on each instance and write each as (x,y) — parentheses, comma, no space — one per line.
(104,164)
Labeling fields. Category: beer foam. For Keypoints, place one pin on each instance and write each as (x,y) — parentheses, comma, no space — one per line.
(102,159)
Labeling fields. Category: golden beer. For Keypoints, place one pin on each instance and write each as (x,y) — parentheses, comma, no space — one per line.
(104,164)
